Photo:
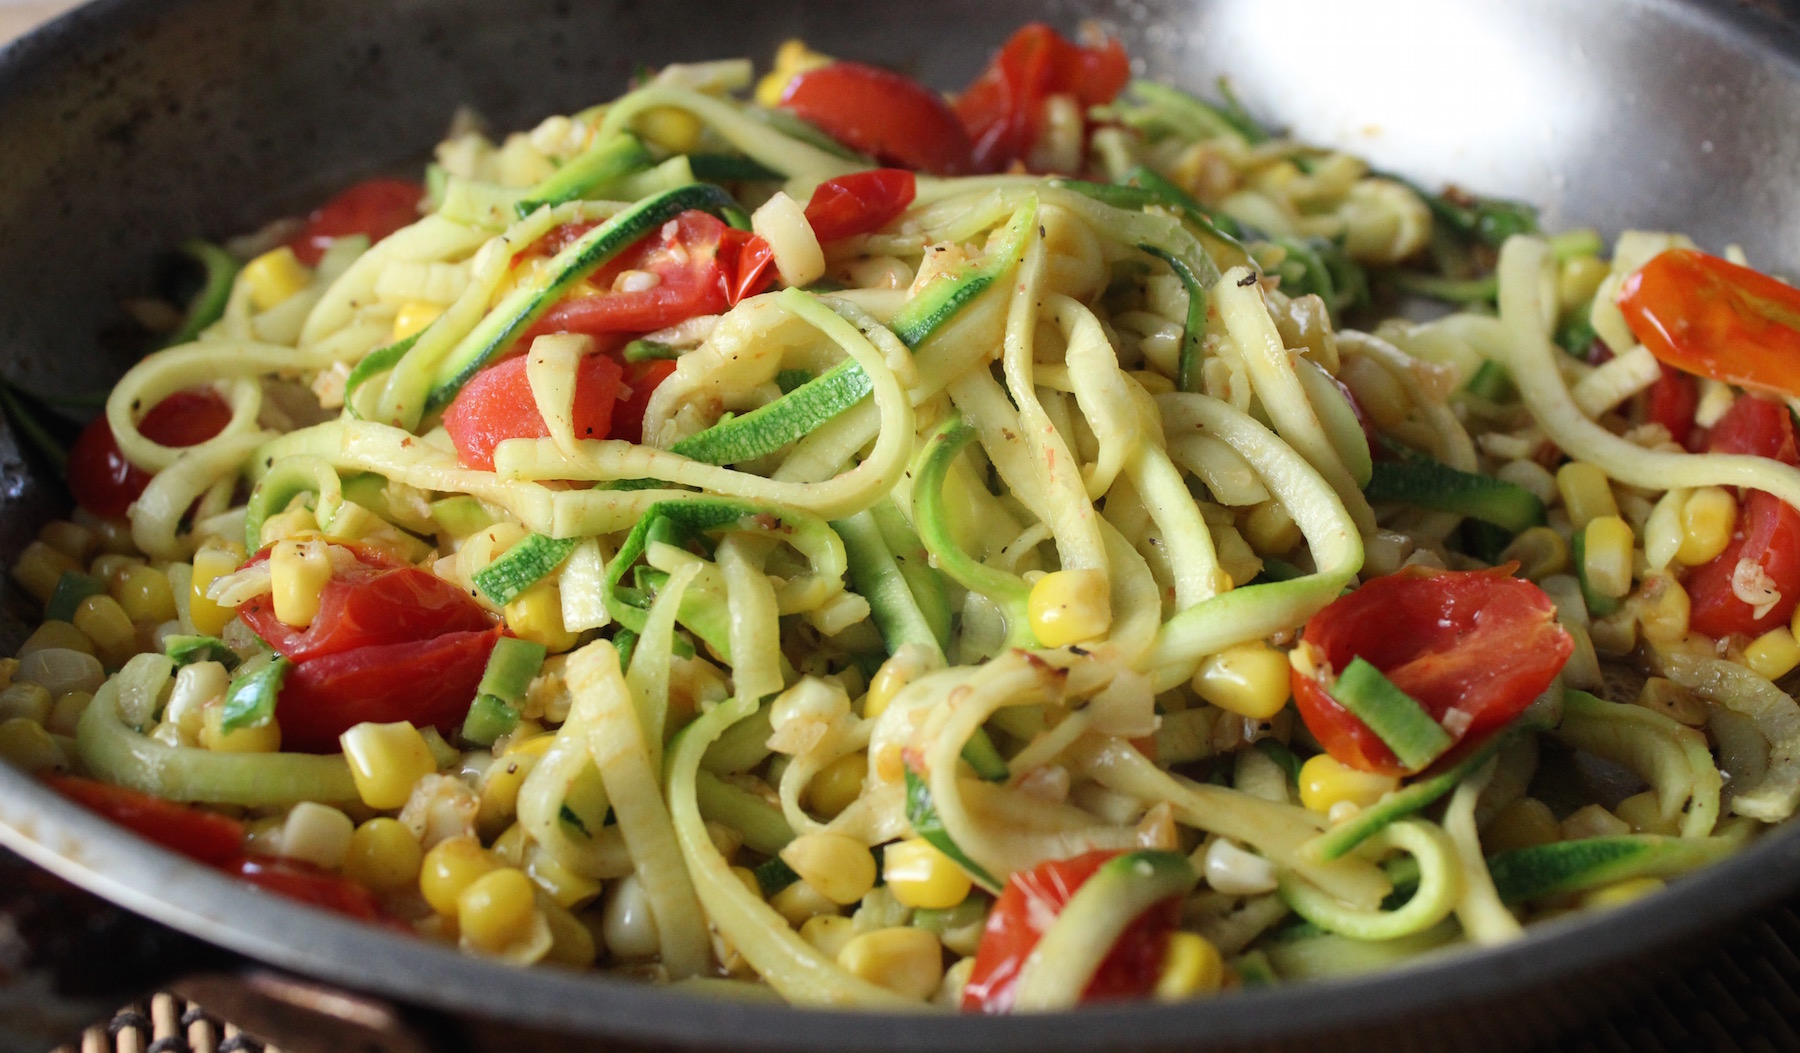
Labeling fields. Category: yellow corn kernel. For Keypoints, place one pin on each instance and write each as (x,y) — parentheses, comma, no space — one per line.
(71,539)
(1540,552)
(213,736)
(298,573)
(213,560)
(1381,396)
(109,565)
(894,674)
(571,941)
(384,856)
(1524,823)
(386,760)
(563,886)
(1665,609)
(500,791)
(537,616)
(922,877)
(829,933)
(800,901)
(27,700)
(1270,530)
(497,910)
(747,878)
(318,834)
(274,276)
(144,593)
(414,316)
(1578,278)
(1617,895)
(1191,966)
(841,868)
(1325,783)
(533,745)
(1707,520)
(40,567)
(673,129)
(25,745)
(1644,812)
(792,58)
(838,784)
(102,620)
(1250,680)
(1606,563)
(1774,654)
(1069,606)
(66,711)
(54,634)
(297,523)
(451,866)
(1585,492)
(903,959)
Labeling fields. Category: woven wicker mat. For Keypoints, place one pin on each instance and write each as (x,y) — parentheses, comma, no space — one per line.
(1738,996)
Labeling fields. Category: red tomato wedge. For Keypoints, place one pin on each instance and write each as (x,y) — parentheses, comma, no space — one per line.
(429,683)
(206,836)
(380,600)
(1003,110)
(859,202)
(496,405)
(1672,401)
(1714,318)
(1030,902)
(376,207)
(1767,531)
(1479,644)
(642,378)
(390,642)
(310,885)
(100,477)
(693,265)
(887,115)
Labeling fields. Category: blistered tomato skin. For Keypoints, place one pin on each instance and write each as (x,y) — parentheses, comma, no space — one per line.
(105,483)
(1473,647)
(1713,318)
(1030,902)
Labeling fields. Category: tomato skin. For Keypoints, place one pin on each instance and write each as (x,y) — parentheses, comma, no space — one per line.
(309,884)
(379,601)
(642,378)
(496,405)
(1767,526)
(686,256)
(859,202)
(205,836)
(1027,905)
(1480,642)
(881,113)
(1003,110)
(376,207)
(429,683)
(100,477)
(746,262)
(1672,402)
(1714,318)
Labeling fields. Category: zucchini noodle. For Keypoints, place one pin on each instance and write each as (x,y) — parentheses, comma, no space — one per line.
(783,574)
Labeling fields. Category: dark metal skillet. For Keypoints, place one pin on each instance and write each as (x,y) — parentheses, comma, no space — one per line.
(134,123)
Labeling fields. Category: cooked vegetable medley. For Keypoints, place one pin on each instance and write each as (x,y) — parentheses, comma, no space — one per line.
(991,552)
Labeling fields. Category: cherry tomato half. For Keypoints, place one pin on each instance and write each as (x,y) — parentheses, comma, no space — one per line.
(206,836)
(375,601)
(1028,904)
(497,404)
(1479,644)
(859,202)
(428,683)
(376,207)
(1767,529)
(882,113)
(309,884)
(692,263)
(642,378)
(1003,110)
(100,477)
(1672,401)
(1714,318)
